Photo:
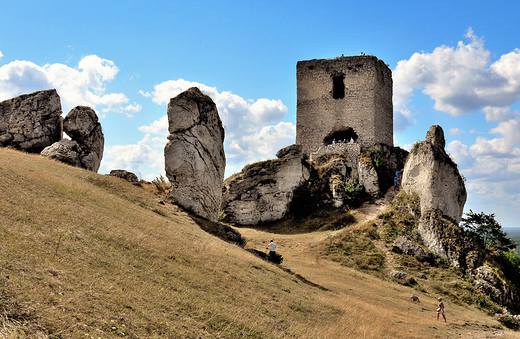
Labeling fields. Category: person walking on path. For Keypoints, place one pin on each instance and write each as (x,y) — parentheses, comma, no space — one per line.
(441,310)
(272,251)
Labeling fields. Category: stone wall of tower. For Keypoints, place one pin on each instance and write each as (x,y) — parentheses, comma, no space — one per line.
(352,93)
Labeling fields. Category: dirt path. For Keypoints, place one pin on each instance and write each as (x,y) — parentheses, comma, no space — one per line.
(368,293)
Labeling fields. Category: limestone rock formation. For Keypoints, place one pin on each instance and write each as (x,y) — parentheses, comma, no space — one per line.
(31,122)
(125,175)
(487,281)
(291,151)
(82,125)
(194,155)
(262,191)
(432,174)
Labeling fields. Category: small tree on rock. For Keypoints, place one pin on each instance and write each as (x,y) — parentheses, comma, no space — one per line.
(488,231)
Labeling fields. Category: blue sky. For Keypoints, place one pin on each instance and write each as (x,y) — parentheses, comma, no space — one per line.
(454,63)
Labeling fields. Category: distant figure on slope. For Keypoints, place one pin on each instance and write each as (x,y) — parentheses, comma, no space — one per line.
(396,178)
(441,310)
(272,252)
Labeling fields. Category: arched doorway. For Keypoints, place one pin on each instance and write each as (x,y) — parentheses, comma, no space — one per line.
(340,135)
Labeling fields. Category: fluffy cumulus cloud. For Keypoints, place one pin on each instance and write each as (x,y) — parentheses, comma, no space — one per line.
(236,112)
(459,79)
(492,163)
(145,159)
(82,85)
(463,79)
(254,128)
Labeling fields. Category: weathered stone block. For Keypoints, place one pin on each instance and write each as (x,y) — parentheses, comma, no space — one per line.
(194,155)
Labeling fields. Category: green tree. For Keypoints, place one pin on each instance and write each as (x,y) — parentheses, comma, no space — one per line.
(488,231)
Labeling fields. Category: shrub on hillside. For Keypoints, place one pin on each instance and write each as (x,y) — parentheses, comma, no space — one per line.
(161,183)
(355,193)
(275,258)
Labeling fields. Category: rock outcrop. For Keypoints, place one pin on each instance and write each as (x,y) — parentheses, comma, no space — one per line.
(31,122)
(194,155)
(262,191)
(430,172)
(88,142)
(488,282)
(405,245)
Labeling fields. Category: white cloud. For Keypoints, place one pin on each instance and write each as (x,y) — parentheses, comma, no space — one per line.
(135,158)
(456,131)
(461,154)
(236,112)
(498,114)
(459,79)
(1,55)
(254,130)
(403,118)
(504,146)
(260,145)
(84,85)
(157,127)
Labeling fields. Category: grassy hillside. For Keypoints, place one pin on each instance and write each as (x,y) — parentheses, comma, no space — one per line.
(84,255)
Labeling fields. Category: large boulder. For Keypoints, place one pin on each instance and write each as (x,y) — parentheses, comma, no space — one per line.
(86,150)
(430,172)
(262,191)
(65,150)
(194,155)
(31,122)
(82,125)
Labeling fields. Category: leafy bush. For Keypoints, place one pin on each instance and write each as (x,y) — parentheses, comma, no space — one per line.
(395,224)
(384,173)
(509,323)
(486,304)
(222,216)
(355,193)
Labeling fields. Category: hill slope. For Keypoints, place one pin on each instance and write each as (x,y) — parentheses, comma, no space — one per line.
(84,255)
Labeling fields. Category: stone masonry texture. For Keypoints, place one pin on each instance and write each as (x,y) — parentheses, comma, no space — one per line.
(353,92)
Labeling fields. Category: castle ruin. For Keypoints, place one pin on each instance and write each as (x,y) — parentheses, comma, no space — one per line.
(341,101)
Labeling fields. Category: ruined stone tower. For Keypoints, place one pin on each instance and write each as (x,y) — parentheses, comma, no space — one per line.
(346,98)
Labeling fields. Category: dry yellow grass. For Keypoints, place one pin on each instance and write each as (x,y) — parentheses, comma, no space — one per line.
(84,255)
